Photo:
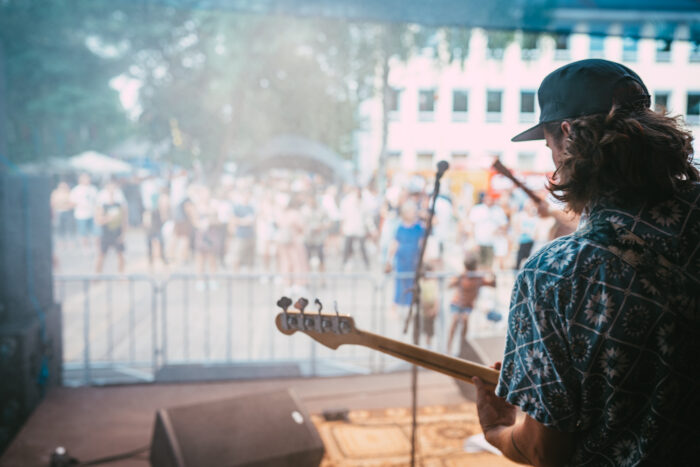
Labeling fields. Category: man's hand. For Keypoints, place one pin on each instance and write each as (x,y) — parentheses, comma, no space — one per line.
(494,412)
(528,442)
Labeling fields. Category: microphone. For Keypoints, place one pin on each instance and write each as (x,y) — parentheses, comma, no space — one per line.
(442,167)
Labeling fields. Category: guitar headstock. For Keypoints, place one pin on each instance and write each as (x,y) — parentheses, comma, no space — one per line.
(331,330)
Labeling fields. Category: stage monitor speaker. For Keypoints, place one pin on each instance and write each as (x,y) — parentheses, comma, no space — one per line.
(256,430)
(467,352)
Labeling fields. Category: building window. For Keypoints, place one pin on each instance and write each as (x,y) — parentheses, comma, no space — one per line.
(661,101)
(694,42)
(424,161)
(630,43)
(526,161)
(663,50)
(664,33)
(562,50)
(694,51)
(426,104)
(460,105)
(597,46)
(493,105)
(528,46)
(393,160)
(527,106)
(693,113)
(394,98)
(459,160)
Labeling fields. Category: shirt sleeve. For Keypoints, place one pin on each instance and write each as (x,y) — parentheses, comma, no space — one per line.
(537,374)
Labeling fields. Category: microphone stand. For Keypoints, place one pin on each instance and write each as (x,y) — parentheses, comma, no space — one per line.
(414,309)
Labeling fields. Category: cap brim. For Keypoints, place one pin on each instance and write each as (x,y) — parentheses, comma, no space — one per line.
(536,132)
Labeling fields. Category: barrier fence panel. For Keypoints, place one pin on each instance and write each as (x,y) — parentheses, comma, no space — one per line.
(108,328)
(127,328)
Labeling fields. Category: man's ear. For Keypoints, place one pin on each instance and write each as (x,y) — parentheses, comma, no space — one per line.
(565,128)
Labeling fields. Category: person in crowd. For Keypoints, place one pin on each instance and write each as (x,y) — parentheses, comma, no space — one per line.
(292,261)
(403,254)
(604,326)
(443,220)
(84,199)
(524,227)
(329,204)
(501,242)
(244,215)
(265,228)
(154,217)
(111,216)
(62,211)
(488,221)
(467,286)
(429,303)
(205,234)
(316,231)
(221,218)
(185,219)
(355,225)
(131,189)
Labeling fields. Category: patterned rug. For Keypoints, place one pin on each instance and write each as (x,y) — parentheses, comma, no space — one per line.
(383,438)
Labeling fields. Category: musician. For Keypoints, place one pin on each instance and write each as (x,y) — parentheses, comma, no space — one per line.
(604,328)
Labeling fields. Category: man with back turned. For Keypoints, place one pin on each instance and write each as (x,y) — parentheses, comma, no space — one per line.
(604,328)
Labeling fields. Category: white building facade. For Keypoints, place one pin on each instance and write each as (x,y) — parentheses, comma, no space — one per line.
(466,112)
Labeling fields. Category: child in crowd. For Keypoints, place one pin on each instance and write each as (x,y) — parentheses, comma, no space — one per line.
(429,304)
(467,290)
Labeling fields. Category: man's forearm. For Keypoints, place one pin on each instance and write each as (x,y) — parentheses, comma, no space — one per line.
(504,439)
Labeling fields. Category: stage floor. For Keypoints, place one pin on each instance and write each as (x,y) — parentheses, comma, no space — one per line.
(93,422)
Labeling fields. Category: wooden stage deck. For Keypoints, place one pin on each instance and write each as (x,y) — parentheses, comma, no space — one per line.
(93,422)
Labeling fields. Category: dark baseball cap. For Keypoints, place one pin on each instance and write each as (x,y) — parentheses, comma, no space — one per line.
(580,88)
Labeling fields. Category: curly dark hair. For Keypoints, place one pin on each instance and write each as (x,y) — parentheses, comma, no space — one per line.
(632,153)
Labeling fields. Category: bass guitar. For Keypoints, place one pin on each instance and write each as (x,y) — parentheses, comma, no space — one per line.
(334,330)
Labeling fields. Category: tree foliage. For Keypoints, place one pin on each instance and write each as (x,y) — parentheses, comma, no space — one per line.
(57,94)
(215,85)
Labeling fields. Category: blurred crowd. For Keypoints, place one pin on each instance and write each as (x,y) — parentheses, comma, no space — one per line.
(293,223)
(290,224)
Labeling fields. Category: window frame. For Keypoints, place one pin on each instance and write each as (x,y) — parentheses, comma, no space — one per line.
(528,117)
(460,115)
(693,119)
(426,115)
(492,116)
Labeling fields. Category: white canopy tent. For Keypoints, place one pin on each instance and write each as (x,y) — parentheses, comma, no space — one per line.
(95,163)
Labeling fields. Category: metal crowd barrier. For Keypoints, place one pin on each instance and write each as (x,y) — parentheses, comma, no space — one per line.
(187,327)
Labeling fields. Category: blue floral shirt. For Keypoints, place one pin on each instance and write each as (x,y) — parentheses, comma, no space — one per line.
(604,335)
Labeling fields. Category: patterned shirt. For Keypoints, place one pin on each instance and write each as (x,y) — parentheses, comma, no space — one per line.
(604,335)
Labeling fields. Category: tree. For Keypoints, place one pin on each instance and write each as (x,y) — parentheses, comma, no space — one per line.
(58,98)
(227,83)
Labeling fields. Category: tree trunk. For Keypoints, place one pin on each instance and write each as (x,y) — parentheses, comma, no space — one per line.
(381,166)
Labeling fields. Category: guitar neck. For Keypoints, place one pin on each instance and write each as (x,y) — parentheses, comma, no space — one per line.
(450,366)
(335,330)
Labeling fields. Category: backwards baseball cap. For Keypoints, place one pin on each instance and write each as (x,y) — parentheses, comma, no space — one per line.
(580,88)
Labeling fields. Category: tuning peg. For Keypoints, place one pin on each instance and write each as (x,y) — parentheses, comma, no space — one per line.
(301,304)
(319,304)
(335,307)
(284,303)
